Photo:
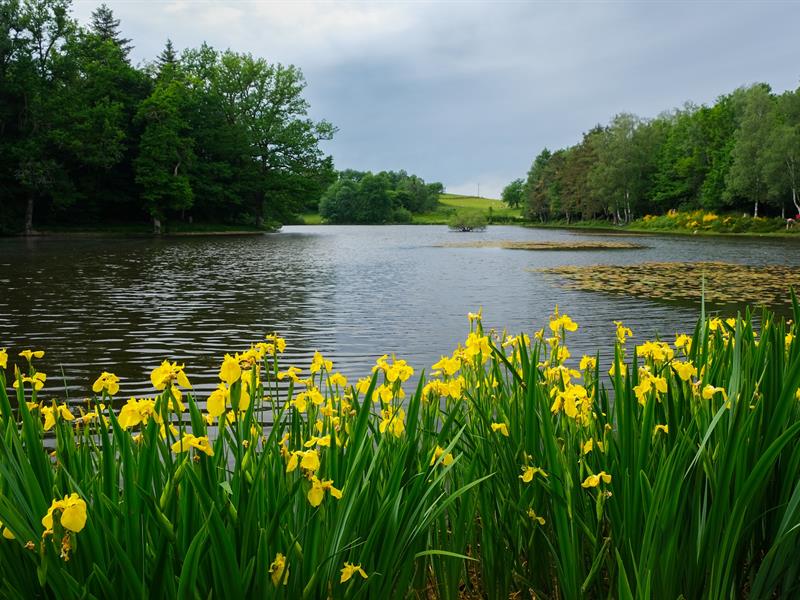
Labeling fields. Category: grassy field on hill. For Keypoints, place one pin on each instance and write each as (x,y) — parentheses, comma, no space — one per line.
(451,203)
(448,205)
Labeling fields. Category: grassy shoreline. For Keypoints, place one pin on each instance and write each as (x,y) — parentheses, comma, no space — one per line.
(609,228)
(494,210)
(144,230)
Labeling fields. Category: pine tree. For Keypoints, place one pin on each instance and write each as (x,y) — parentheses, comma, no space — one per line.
(106,27)
(168,56)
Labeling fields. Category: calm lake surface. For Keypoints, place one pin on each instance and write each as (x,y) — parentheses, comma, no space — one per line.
(354,293)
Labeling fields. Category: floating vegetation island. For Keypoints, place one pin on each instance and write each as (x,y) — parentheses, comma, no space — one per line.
(509,245)
(725,283)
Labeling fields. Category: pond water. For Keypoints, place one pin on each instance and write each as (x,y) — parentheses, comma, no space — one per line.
(353,293)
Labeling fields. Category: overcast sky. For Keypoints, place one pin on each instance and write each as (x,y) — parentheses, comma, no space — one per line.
(468,93)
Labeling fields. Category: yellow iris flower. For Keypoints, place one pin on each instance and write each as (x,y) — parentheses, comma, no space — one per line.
(276,343)
(560,323)
(31,354)
(448,364)
(501,427)
(73,514)
(393,421)
(166,373)
(50,412)
(475,316)
(292,373)
(308,460)
(191,441)
(685,370)
(683,342)
(437,454)
(532,514)
(137,412)
(108,382)
(528,473)
(318,363)
(278,571)
(7,533)
(36,380)
(622,332)
(337,379)
(318,488)
(710,390)
(349,570)
(230,371)
(594,480)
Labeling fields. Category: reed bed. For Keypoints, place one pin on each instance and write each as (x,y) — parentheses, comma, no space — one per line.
(512,471)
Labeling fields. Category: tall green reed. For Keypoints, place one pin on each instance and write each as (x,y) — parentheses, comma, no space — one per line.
(507,473)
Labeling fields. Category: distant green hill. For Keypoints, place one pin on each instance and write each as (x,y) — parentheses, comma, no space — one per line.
(471,202)
(451,203)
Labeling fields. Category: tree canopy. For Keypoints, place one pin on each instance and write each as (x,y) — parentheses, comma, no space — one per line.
(385,197)
(85,137)
(740,154)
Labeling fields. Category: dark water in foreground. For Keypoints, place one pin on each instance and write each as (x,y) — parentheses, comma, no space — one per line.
(354,293)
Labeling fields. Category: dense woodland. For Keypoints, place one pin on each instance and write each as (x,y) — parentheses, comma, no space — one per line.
(86,137)
(740,155)
(385,197)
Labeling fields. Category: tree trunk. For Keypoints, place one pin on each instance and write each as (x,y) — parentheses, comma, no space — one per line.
(794,200)
(755,209)
(29,215)
(260,210)
(156,225)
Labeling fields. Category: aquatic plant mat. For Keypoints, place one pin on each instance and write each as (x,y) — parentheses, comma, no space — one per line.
(507,472)
(509,245)
(725,283)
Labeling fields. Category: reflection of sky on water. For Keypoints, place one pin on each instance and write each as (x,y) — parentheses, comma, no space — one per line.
(351,292)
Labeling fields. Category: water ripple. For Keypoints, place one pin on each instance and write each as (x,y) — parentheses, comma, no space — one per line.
(353,293)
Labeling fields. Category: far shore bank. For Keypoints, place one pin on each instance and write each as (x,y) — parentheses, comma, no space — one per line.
(611,229)
(598,228)
(229,231)
(136,231)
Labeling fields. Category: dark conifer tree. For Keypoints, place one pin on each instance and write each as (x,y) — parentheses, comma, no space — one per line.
(106,27)
(168,56)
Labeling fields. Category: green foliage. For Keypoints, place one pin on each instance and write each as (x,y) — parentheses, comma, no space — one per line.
(706,221)
(465,220)
(741,152)
(513,193)
(88,138)
(676,476)
(746,177)
(106,28)
(386,197)
(165,151)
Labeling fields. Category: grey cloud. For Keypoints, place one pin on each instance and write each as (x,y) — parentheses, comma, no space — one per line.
(471,92)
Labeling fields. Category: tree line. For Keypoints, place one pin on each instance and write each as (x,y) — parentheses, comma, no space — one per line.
(387,197)
(740,154)
(204,135)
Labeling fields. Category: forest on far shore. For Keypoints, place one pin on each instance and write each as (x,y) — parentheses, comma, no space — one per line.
(204,135)
(742,154)
(215,137)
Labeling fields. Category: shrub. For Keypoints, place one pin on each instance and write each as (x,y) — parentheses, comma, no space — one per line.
(467,221)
